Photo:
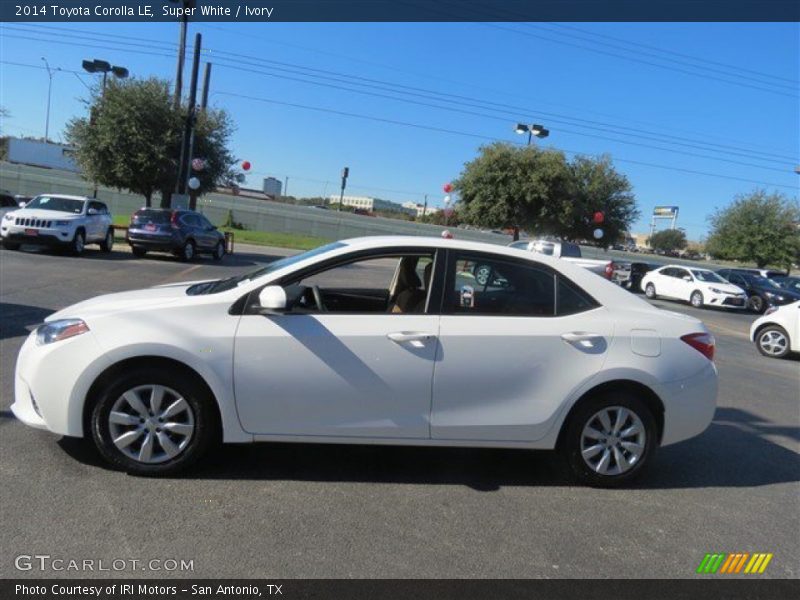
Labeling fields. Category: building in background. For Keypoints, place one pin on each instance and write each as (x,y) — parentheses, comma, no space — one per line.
(419,210)
(272,187)
(37,153)
(369,204)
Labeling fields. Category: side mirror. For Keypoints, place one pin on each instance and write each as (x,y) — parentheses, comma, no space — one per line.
(22,204)
(273,298)
(92,212)
(687,278)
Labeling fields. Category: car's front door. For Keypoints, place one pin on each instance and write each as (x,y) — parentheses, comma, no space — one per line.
(511,350)
(95,221)
(362,369)
(683,284)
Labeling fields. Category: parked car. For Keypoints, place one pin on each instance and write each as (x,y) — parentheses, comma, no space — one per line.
(184,233)
(788,283)
(567,251)
(299,351)
(761,292)
(768,273)
(60,221)
(777,333)
(637,272)
(700,287)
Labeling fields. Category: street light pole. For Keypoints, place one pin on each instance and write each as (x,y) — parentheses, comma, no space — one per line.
(532,131)
(50,73)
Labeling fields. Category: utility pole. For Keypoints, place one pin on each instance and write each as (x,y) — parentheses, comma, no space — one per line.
(50,73)
(206,84)
(185,4)
(345,173)
(286,186)
(425,206)
(184,167)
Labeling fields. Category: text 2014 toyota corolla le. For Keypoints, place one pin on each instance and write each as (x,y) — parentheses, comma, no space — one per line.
(384,340)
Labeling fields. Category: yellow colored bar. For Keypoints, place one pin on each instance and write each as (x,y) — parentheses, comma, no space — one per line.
(741,562)
(767,558)
(728,563)
(751,563)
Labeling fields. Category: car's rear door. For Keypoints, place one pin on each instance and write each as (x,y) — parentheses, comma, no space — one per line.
(511,350)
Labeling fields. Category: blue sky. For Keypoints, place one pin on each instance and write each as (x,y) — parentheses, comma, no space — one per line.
(595,91)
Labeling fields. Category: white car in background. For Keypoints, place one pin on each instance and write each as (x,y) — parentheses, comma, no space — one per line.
(59,221)
(699,287)
(777,332)
(383,340)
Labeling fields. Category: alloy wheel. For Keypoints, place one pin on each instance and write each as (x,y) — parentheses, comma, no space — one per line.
(613,440)
(697,300)
(151,424)
(756,304)
(79,243)
(773,342)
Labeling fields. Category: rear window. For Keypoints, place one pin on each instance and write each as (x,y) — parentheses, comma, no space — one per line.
(159,217)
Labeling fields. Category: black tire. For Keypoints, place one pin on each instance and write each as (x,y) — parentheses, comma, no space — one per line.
(138,251)
(11,245)
(219,251)
(188,251)
(650,291)
(573,437)
(482,274)
(776,353)
(78,244)
(205,421)
(108,242)
(757,304)
(696,299)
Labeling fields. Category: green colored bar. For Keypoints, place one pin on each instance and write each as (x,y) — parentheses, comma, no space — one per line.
(702,566)
(718,564)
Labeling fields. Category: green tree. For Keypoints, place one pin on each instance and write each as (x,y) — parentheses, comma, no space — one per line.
(758,227)
(132,139)
(507,186)
(668,240)
(597,187)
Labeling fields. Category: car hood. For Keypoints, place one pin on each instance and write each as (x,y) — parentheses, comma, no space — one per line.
(33,213)
(778,291)
(123,301)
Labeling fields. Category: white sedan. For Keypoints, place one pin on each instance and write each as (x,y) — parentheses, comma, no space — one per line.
(777,333)
(700,287)
(384,340)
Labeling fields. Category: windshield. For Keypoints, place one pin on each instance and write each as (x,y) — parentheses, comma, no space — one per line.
(708,277)
(68,205)
(223,285)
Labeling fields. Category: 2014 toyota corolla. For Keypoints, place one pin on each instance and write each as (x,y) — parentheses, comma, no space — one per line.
(386,340)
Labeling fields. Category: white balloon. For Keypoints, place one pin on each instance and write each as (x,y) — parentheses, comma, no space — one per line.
(598,233)
(194,183)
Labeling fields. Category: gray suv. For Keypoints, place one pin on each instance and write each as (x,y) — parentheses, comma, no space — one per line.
(184,233)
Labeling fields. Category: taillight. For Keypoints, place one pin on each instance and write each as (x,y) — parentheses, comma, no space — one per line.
(609,272)
(173,220)
(702,342)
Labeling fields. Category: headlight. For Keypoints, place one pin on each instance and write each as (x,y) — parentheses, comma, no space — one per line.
(8,217)
(718,291)
(60,223)
(55,331)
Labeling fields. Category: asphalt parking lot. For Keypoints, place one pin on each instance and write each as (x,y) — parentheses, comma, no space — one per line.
(291,511)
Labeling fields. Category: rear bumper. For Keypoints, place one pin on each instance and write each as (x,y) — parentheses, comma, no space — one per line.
(153,242)
(689,405)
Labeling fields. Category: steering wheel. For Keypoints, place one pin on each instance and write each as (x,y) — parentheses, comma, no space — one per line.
(318,298)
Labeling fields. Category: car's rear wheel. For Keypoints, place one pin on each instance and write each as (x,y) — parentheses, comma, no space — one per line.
(153,421)
(108,242)
(138,251)
(773,341)
(11,245)
(697,299)
(610,440)
(650,291)
(756,304)
(78,243)
(219,251)
(187,252)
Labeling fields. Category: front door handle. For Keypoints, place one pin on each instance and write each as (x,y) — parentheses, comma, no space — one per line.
(409,336)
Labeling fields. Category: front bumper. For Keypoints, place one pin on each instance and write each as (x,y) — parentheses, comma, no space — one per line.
(51,382)
(727,301)
(49,237)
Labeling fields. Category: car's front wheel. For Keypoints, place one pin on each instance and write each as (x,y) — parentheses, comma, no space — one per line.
(78,243)
(773,341)
(697,299)
(153,421)
(650,291)
(219,251)
(756,304)
(608,441)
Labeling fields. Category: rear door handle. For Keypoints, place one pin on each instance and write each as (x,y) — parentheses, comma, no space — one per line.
(582,338)
(409,336)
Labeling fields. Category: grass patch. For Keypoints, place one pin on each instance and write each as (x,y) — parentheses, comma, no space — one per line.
(279,240)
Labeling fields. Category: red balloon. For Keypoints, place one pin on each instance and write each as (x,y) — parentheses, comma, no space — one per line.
(447,187)
(246,165)
(598,217)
